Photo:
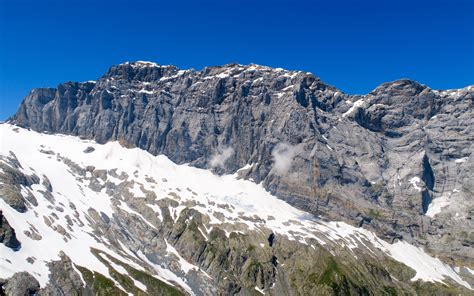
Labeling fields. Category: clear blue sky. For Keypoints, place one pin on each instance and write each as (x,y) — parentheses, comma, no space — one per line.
(353,45)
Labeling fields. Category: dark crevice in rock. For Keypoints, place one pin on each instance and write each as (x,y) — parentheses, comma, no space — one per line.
(429,179)
(271,239)
(428,176)
(274,261)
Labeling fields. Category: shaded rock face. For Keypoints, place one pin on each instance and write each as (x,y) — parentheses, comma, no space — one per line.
(11,182)
(7,234)
(381,161)
(65,280)
(21,284)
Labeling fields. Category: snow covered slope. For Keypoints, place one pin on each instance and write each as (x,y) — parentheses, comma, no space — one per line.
(79,188)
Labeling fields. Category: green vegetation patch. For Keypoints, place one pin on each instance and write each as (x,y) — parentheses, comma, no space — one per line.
(154,286)
(101,285)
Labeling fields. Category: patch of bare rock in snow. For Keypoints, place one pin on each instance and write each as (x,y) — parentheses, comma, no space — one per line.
(78,193)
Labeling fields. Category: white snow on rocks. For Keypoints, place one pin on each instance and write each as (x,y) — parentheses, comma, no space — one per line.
(239,201)
(143,64)
(415,181)
(427,268)
(185,265)
(438,204)
(144,91)
(354,106)
(261,291)
(461,160)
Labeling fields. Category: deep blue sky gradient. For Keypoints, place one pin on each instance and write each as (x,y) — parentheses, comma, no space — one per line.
(353,45)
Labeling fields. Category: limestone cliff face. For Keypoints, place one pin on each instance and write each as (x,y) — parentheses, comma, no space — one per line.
(397,160)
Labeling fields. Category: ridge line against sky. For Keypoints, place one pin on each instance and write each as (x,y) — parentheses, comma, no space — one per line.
(352,45)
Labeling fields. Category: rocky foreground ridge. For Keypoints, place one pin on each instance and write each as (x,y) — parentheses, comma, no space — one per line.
(396,161)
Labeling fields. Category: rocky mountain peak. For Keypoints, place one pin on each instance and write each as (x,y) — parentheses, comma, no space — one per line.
(400,87)
(140,71)
(385,161)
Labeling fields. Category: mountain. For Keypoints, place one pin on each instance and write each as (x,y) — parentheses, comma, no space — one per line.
(237,180)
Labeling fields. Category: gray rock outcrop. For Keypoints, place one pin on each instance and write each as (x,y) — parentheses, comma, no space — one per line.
(7,234)
(64,279)
(20,284)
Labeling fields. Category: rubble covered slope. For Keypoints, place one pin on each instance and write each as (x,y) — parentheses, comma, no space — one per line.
(102,218)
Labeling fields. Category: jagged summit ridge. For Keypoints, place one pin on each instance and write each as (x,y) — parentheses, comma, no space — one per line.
(156,72)
(404,86)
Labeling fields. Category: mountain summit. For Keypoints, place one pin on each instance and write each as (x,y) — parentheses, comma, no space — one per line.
(153,172)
